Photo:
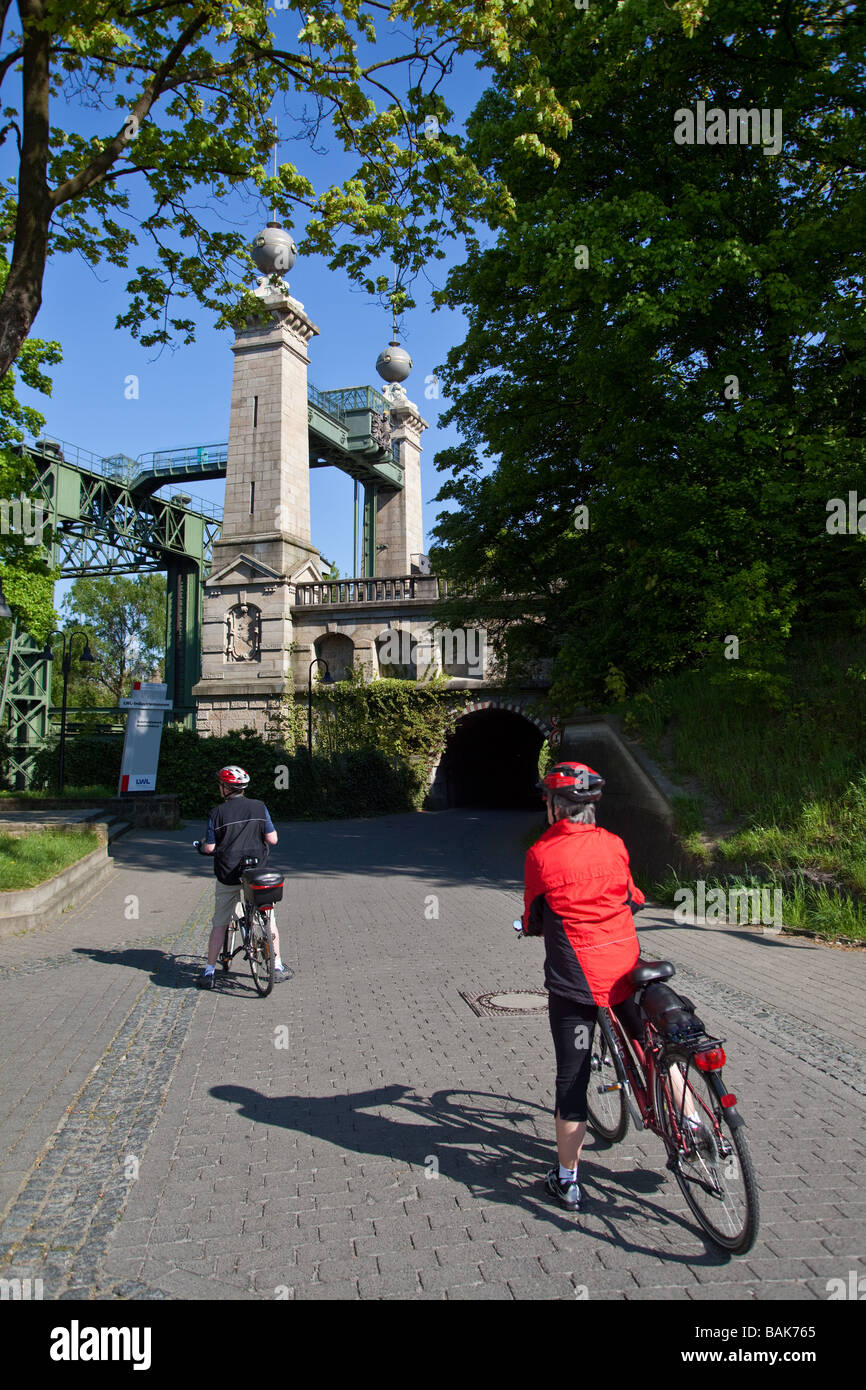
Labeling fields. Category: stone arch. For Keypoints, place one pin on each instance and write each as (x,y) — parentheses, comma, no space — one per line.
(339,652)
(491,762)
(397,653)
(460,652)
(546,726)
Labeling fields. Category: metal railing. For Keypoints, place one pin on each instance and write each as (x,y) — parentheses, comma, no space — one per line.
(193,458)
(337,403)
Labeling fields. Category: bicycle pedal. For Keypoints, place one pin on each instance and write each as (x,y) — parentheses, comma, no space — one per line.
(615,1086)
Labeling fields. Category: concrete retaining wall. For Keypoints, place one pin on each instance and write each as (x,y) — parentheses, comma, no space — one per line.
(36,907)
(636,803)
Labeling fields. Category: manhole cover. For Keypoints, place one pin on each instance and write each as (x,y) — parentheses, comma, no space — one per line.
(511,1002)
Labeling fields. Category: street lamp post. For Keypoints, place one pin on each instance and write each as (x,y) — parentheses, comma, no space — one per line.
(327,680)
(66,667)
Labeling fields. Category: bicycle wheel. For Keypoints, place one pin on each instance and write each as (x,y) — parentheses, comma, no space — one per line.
(607,1111)
(711,1161)
(261,951)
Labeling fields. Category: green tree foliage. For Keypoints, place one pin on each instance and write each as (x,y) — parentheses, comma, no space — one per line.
(28,581)
(124,617)
(407,722)
(187,93)
(698,387)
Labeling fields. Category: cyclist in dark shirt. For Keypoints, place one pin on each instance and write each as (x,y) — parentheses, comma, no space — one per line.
(237,829)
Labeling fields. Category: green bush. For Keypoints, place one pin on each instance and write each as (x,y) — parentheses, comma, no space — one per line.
(91,760)
(359,782)
(375,746)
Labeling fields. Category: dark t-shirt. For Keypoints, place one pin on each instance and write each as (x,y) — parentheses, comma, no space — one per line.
(238,828)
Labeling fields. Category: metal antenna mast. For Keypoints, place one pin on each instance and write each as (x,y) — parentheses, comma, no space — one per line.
(273,209)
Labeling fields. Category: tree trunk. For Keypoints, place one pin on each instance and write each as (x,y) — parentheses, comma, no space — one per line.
(22,294)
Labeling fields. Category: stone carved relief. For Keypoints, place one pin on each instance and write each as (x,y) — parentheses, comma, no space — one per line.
(380,428)
(244,633)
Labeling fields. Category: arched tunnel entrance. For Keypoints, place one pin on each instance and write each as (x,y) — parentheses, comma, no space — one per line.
(491,761)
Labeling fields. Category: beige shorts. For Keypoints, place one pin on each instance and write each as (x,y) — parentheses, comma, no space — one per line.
(226,895)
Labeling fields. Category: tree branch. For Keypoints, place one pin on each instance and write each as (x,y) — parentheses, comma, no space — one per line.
(98,167)
(6,63)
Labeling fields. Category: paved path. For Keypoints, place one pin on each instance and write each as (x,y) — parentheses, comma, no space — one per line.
(362,1133)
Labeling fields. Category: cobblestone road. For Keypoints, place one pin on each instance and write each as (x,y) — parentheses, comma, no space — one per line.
(362,1133)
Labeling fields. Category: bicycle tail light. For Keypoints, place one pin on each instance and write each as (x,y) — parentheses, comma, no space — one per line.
(711,1060)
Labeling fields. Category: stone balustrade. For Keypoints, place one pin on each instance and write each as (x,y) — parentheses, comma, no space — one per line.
(349,592)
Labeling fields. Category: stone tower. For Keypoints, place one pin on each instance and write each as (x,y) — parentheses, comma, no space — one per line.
(399,521)
(265,546)
(267,614)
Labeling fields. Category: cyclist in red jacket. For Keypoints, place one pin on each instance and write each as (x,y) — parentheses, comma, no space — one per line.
(580,896)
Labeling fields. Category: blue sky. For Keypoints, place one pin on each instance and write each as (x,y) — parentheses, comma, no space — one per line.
(184,395)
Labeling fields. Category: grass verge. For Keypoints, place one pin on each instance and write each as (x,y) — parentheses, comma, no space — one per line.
(84,794)
(28,860)
(776,789)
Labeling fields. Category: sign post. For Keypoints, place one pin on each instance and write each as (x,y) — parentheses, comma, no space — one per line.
(147,705)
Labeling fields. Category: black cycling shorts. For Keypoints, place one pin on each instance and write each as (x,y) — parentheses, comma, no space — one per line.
(572,1026)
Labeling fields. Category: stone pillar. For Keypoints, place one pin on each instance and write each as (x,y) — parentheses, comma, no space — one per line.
(264,547)
(267,503)
(399,521)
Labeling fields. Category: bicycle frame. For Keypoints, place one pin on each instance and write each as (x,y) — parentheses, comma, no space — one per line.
(643,1088)
(243,927)
(691,1111)
(636,1088)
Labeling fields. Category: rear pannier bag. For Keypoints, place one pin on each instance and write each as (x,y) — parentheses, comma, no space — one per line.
(262,889)
(673,1015)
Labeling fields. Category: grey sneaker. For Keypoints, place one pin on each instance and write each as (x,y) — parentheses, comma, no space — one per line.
(567,1194)
(205,981)
(281,974)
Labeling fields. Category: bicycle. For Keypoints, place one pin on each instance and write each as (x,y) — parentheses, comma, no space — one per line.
(691,1111)
(696,1118)
(257,894)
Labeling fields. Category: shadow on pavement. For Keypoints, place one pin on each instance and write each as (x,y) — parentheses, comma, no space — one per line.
(758,937)
(170,971)
(159,964)
(463,846)
(475,1140)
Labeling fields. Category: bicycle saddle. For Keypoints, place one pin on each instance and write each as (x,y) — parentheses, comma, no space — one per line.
(647,971)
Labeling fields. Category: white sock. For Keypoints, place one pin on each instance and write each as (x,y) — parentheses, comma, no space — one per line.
(278,964)
(209,969)
(567,1174)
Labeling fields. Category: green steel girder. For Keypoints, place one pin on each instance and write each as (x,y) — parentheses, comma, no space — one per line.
(24,695)
(183,619)
(369,547)
(100,525)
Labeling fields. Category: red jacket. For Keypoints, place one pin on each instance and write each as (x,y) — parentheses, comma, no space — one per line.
(579,893)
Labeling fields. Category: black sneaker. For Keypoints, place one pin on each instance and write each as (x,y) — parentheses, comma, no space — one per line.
(567,1194)
(206,981)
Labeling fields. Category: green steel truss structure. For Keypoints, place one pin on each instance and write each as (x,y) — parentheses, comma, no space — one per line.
(104,516)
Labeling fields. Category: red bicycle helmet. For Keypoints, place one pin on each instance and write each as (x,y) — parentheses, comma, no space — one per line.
(573,781)
(233,777)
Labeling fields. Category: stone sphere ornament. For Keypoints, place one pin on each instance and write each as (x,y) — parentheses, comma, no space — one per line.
(273,250)
(393,362)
